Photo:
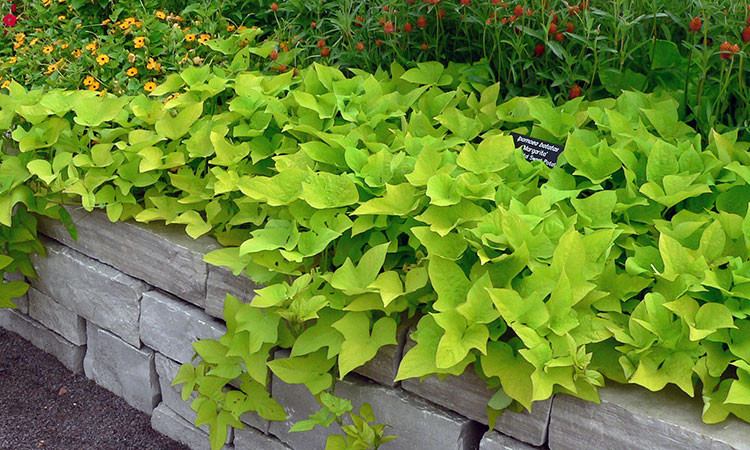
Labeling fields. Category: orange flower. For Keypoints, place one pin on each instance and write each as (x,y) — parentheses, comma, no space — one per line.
(190,37)
(132,72)
(88,81)
(76,53)
(94,86)
(64,46)
(102,59)
(12,60)
(16,45)
(60,18)
(231,28)
(48,49)
(150,86)
(160,15)
(203,38)
(91,47)
(5,84)
(139,42)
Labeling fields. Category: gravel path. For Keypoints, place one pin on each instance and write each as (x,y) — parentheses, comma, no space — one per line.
(45,406)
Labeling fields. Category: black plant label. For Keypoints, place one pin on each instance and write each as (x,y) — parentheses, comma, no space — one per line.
(537,150)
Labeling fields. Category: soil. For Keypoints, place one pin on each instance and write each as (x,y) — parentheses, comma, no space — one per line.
(45,406)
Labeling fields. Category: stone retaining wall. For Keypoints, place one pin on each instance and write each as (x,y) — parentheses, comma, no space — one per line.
(125,302)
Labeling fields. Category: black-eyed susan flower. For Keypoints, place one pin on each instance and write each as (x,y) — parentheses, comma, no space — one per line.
(94,86)
(91,47)
(139,42)
(190,37)
(76,53)
(60,18)
(203,38)
(88,80)
(150,86)
(17,45)
(102,59)
(12,60)
(64,45)
(160,15)
(231,28)
(33,42)
(132,72)
(48,49)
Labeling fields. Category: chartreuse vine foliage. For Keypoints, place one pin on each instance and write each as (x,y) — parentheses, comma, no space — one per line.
(373,201)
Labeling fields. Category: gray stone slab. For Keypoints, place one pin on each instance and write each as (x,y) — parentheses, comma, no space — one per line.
(632,417)
(299,405)
(57,317)
(126,371)
(384,367)
(164,256)
(222,281)
(467,395)
(251,439)
(22,303)
(170,326)
(70,355)
(95,291)
(418,424)
(170,424)
(172,396)
(493,440)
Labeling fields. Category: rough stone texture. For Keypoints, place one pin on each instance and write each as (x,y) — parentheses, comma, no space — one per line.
(384,367)
(70,355)
(493,440)
(22,303)
(467,395)
(170,326)
(170,424)
(91,289)
(299,405)
(251,439)
(164,256)
(417,424)
(126,371)
(632,417)
(57,317)
(222,281)
(172,395)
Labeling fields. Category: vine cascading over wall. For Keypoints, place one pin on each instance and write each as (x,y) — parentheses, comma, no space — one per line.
(361,202)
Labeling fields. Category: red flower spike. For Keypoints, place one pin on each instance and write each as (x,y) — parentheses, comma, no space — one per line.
(569,27)
(274,7)
(695,25)
(552,29)
(518,10)
(321,43)
(539,50)
(746,34)
(421,22)
(360,46)
(408,27)
(378,42)
(388,27)
(559,37)
(325,52)
(575,92)
(424,46)
(273,55)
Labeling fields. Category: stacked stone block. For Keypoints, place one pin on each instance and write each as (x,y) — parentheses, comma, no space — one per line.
(124,303)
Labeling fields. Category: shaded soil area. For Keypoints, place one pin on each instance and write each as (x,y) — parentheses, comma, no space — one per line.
(45,406)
